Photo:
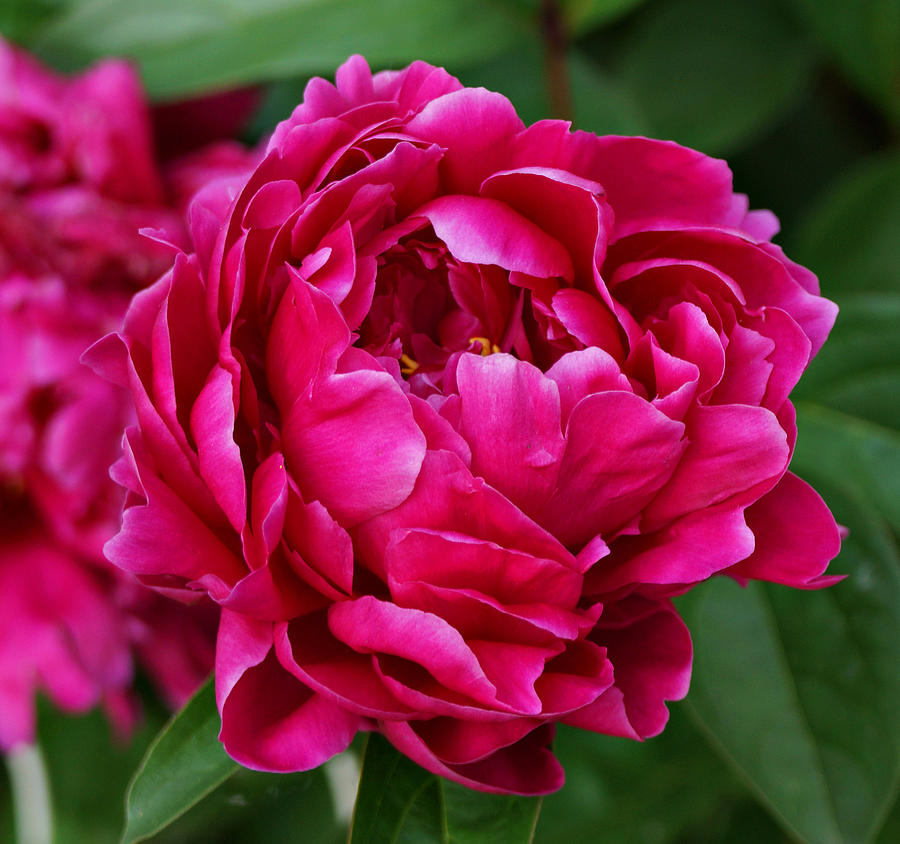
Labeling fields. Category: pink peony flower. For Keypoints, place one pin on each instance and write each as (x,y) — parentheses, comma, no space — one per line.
(442,410)
(77,179)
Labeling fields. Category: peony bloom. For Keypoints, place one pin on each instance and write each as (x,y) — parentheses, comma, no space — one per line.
(77,179)
(442,410)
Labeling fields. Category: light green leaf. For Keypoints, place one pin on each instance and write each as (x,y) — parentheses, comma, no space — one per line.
(184,48)
(400,802)
(698,71)
(184,763)
(863,36)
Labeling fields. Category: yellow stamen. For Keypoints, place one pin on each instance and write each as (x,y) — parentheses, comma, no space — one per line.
(487,347)
(409,365)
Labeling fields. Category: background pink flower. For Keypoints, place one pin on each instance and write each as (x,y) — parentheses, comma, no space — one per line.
(442,410)
(78,178)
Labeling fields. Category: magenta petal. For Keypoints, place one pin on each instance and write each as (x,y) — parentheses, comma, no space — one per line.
(272,204)
(619,451)
(372,626)
(578,374)
(588,320)
(163,536)
(525,767)
(575,678)
(645,180)
(307,649)
(268,506)
(796,537)
(446,496)
(688,550)
(474,126)
(732,448)
(272,722)
(650,649)
(309,331)
(354,445)
(570,208)
(511,420)
(457,742)
(322,543)
(212,424)
(457,561)
(486,231)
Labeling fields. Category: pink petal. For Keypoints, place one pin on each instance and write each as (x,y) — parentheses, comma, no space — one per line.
(526,767)
(164,536)
(796,537)
(645,180)
(651,655)
(212,425)
(307,649)
(688,550)
(372,626)
(619,452)
(272,722)
(475,127)
(354,445)
(511,420)
(571,209)
(732,448)
(486,231)
(309,331)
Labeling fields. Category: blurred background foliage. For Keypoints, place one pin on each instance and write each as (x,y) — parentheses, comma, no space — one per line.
(792,728)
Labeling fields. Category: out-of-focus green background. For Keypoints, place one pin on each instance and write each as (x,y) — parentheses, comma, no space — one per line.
(792,727)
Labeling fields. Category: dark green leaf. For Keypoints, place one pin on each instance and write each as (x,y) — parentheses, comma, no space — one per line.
(624,792)
(863,36)
(850,239)
(400,802)
(582,15)
(183,765)
(701,73)
(857,371)
(251,806)
(602,103)
(800,690)
(183,48)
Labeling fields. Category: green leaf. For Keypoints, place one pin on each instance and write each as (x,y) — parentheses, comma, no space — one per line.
(800,691)
(184,763)
(582,15)
(21,19)
(850,238)
(857,372)
(602,103)
(863,36)
(711,74)
(400,802)
(87,796)
(184,48)
(252,806)
(622,792)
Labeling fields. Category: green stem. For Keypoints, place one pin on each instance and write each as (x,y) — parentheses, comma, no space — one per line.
(31,795)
